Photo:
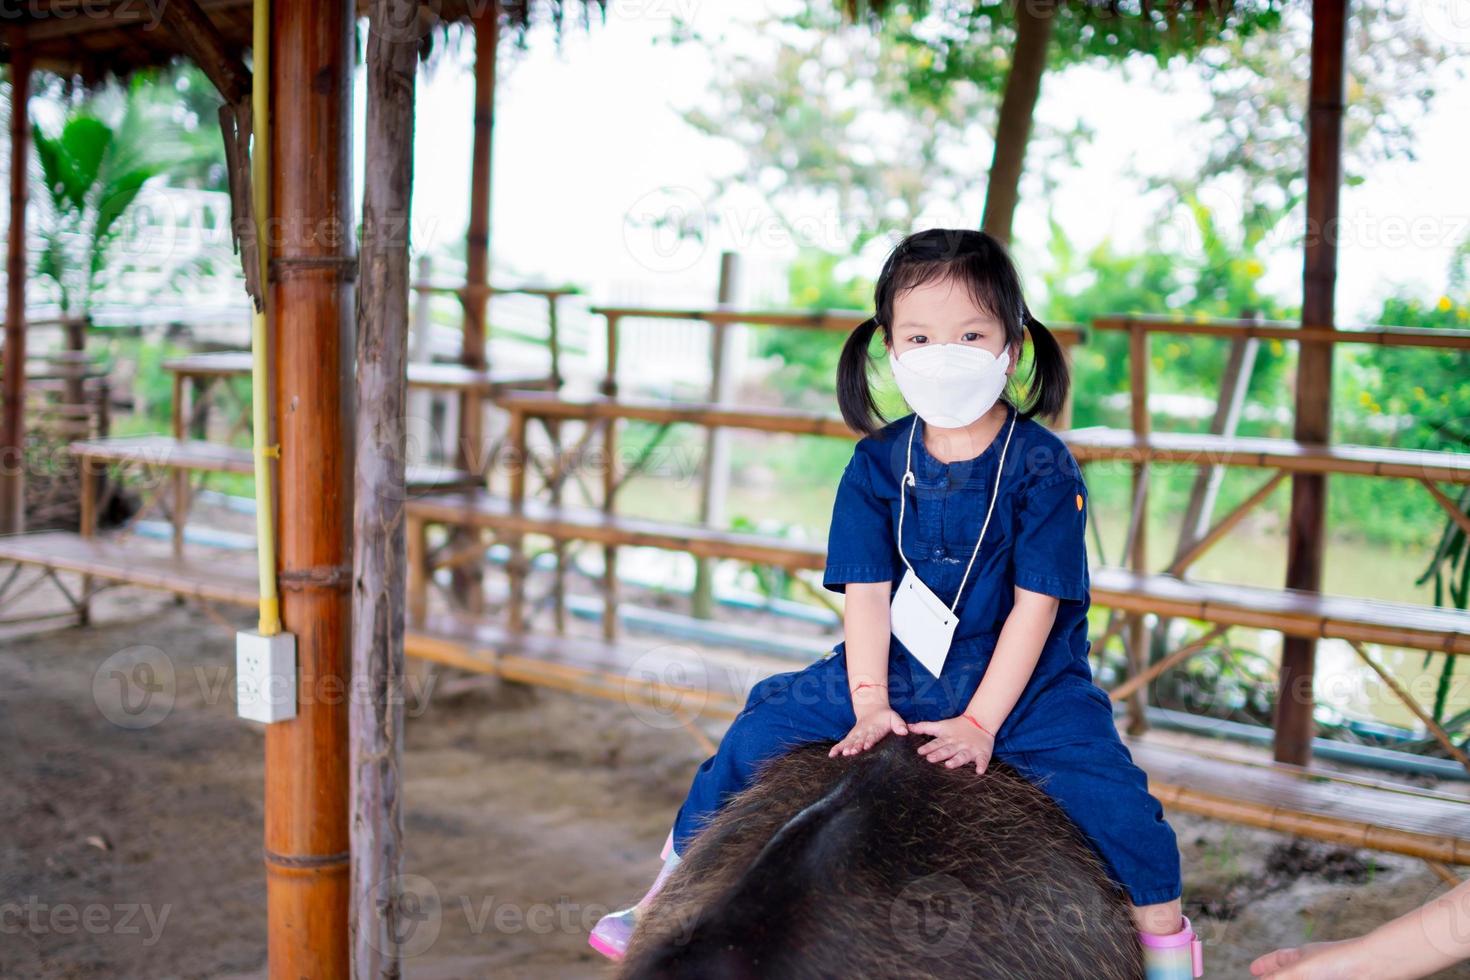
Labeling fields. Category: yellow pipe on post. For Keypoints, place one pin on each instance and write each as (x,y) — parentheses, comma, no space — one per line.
(265,545)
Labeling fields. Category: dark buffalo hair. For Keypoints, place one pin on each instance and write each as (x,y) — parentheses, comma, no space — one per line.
(886,865)
(982,263)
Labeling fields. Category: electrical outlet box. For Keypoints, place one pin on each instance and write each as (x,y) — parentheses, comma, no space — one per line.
(265,676)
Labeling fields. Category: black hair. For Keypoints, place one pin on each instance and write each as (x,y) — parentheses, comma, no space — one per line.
(982,263)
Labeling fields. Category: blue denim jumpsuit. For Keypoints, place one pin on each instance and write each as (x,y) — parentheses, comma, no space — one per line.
(1060,734)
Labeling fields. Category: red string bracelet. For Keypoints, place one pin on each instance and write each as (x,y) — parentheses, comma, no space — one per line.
(978,725)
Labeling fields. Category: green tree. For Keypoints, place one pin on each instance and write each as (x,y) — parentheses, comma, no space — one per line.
(1253,123)
(832,141)
(807,370)
(1221,280)
(1007,48)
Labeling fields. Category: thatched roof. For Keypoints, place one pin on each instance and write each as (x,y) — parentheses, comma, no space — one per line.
(95,39)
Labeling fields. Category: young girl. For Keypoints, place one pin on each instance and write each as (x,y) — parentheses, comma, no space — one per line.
(957,537)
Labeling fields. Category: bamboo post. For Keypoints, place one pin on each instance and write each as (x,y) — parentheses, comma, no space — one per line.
(180,475)
(311,264)
(468,577)
(421,403)
(1138,638)
(87,496)
(417,560)
(610,485)
(715,480)
(475,297)
(554,431)
(12,423)
(1064,417)
(609,384)
(559,545)
(380,546)
(610,551)
(553,339)
(517,565)
(1295,698)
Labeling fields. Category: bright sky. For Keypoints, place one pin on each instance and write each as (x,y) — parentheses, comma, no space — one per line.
(590,135)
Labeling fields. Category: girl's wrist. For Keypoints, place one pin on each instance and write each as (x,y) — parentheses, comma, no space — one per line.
(869,694)
(974,721)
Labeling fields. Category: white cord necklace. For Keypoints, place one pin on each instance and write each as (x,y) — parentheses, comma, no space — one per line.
(908,480)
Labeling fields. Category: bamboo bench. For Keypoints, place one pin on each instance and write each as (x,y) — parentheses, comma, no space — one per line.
(184,456)
(1337,808)
(114,562)
(601,408)
(495,512)
(1308,614)
(167,452)
(659,677)
(562,523)
(444,377)
(661,682)
(1295,613)
(197,376)
(1285,456)
(722,318)
(1342,809)
(1205,449)
(1307,462)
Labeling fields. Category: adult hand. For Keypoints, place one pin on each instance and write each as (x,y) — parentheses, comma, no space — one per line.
(957,742)
(1314,961)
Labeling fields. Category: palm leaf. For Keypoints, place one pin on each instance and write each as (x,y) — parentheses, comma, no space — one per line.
(85,141)
(51,156)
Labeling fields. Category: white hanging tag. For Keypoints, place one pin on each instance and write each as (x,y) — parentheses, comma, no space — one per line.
(922,621)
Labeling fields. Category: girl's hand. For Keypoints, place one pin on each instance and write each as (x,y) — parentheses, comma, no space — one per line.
(873,723)
(957,742)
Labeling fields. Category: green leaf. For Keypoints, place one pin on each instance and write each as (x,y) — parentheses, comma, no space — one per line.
(53,167)
(117,197)
(84,144)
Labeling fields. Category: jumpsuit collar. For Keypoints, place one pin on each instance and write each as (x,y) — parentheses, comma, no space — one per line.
(927,465)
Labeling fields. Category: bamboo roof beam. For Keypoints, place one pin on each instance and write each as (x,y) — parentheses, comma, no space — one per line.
(206,46)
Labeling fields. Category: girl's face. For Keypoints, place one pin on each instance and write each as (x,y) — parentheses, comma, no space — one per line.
(942,312)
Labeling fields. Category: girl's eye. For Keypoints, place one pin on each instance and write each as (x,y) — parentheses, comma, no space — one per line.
(972,335)
(918,338)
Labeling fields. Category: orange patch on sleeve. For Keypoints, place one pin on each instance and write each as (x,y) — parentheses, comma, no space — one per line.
(1079,501)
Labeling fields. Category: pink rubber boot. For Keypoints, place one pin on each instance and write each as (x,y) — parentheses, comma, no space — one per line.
(1179,956)
(613,931)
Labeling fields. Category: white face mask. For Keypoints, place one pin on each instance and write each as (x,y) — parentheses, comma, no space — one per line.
(950,385)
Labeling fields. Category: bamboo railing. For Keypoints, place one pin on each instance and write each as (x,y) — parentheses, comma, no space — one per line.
(1140,447)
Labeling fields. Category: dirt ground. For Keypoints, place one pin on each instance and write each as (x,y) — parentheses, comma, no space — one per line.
(132,843)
